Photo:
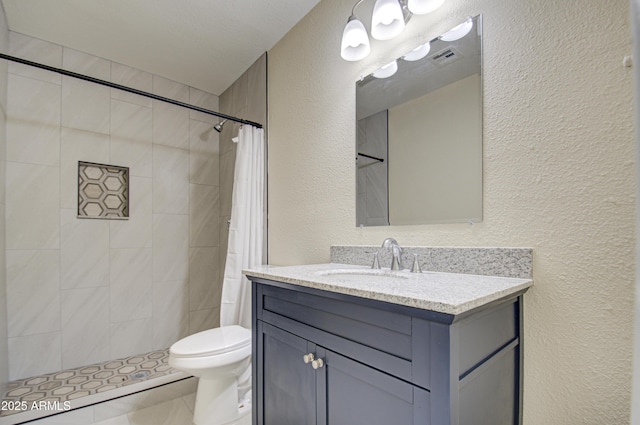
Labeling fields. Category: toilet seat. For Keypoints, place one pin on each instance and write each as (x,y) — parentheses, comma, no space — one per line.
(212,342)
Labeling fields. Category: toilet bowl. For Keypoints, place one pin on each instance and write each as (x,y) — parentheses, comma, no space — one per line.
(221,359)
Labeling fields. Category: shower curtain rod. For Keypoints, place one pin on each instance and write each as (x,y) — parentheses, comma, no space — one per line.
(128,89)
(371,157)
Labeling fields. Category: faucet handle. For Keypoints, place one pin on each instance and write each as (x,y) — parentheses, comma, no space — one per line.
(416,265)
(376,262)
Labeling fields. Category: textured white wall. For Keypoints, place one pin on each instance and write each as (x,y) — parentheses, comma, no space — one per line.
(559,176)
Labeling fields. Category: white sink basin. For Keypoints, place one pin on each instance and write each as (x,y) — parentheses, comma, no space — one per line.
(360,273)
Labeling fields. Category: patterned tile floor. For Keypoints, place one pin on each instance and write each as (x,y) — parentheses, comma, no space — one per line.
(72,384)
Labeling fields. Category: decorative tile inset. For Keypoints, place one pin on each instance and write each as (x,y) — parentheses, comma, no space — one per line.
(103,191)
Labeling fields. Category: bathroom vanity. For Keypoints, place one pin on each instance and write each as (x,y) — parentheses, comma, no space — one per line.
(346,345)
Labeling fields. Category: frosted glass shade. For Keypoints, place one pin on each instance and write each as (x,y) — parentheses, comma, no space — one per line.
(387,20)
(418,53)
(420,7)
(386,71)
(457,32)
(355,41)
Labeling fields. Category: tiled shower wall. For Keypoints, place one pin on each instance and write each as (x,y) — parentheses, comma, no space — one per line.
(246,98)
(82,291)
(4,363)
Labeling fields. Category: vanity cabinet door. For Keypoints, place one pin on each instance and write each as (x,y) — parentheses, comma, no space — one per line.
(339,391)
(287,386)
(355,394)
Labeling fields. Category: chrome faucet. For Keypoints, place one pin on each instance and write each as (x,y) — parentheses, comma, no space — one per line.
(396,251)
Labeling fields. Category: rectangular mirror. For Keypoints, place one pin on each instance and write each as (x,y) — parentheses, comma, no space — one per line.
(419,135)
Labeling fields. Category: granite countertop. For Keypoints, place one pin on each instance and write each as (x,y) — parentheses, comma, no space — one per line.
(449,293)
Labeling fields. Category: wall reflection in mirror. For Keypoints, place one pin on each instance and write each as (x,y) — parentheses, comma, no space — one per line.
(419,135)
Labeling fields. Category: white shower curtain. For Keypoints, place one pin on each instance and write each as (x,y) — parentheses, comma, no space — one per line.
(246,228)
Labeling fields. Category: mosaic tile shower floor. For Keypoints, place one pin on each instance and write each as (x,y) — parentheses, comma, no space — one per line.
(73,384)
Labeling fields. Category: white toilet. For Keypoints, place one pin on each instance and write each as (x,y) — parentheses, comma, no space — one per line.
(221,359)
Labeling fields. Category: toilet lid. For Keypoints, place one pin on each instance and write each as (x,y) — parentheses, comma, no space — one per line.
(213,341)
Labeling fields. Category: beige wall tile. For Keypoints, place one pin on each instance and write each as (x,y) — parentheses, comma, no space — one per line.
(86,330)
(171,312)
(34,355)
(170,89)
(33,121)
(204,150)
(84,251)
(170,180)
(205,286)
(133,78)
(86,64)
(204,215)
(85,106)
(32,206)
(170,125)
(130,338)
(33,291)
(202,320)
(170,247)
(204,100)
(130,284)
(36,50)
(132,137)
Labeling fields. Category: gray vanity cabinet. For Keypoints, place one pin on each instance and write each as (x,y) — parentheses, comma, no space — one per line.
(381,363)
(341,391)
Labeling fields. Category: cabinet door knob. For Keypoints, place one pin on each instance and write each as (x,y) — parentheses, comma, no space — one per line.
(317,363)
(308,358)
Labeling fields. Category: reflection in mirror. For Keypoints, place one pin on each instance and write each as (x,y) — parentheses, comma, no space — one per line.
(419,135)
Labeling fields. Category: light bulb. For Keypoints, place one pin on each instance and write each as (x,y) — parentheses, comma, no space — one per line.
(418,53)
(387,70)
(457,32)
(387,20)
(420,7)
(355,41)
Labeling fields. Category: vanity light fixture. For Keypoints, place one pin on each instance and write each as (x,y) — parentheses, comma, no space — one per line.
(387,21)
(418,53)
(459,31)
(355,41)
(387,70)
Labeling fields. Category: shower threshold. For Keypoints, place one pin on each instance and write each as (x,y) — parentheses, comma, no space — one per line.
(58,392)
